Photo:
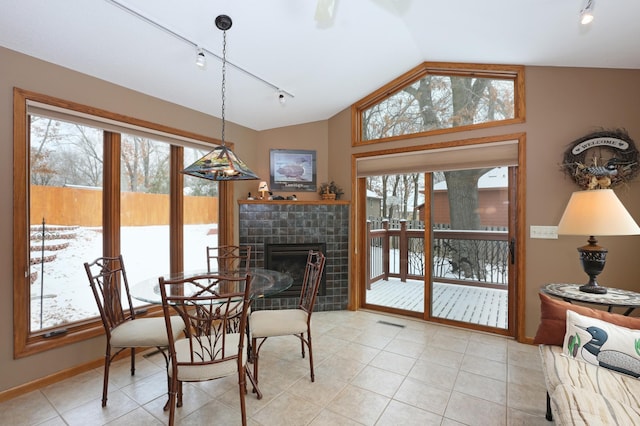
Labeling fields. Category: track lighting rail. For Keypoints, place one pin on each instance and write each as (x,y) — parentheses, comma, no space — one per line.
(193,44)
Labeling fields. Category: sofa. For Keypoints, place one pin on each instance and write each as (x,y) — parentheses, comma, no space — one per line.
(591,364)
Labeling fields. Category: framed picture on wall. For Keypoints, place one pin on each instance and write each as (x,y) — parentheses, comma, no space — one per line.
(293,170)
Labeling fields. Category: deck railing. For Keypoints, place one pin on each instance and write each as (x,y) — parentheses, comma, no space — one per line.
(479,258)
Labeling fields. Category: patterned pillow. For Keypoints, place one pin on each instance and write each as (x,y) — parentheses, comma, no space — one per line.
(601,343)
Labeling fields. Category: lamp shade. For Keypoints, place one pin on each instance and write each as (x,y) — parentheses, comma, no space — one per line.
(263,186)
(596,212)
(220,164)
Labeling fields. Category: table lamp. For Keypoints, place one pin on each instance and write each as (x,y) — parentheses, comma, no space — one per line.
(263,187)
(595,212)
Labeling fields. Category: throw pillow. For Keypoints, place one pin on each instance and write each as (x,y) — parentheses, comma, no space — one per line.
(603,344)
(553,317)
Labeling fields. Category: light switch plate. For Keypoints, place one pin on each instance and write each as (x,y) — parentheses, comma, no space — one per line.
(545,232)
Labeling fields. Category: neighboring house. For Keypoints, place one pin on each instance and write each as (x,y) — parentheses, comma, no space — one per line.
(374,204)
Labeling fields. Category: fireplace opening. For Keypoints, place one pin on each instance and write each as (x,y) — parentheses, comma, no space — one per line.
(292,259)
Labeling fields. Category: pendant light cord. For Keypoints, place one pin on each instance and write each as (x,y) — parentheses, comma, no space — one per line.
(224,80)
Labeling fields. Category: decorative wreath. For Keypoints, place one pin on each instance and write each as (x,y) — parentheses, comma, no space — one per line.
(603,159)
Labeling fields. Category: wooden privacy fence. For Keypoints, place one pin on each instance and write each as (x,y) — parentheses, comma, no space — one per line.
(83,207)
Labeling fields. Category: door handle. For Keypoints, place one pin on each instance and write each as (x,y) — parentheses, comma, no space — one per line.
(512,250)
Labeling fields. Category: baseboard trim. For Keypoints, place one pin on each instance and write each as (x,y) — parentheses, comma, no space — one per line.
(58,376)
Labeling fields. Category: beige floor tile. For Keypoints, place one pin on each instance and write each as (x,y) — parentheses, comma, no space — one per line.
(422,395)
(327,417)
(359,404)
(214,413)
(137,417)
(405,347)
(28,409)
(481,387)
(398,413)
(474,411)
(417,335)
(147,389)
(396,363)
(530,399)
(443,357)
(526,376)
(339,368)
(193,398)
(450,341)
(485,367)
(320,392)
(377,380)
(92,413)
(372,339)
(521,418)
(287,409)
(358,352)
(449,422)
(492,350)
(76,391)
(56,421)
(432,374)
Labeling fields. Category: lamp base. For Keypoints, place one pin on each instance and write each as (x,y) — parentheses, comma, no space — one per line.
(593,258)
(595,289)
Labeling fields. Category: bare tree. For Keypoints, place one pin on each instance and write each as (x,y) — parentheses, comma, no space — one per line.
(145,165)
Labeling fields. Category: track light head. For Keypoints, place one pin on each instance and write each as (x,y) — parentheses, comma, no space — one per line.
(201,59)
(281,97)
(586,14)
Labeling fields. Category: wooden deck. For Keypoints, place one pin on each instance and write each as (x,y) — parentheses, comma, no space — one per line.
(476,305)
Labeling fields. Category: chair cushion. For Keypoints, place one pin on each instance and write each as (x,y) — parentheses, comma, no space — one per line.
(278,323)
(194,373)
(145,332)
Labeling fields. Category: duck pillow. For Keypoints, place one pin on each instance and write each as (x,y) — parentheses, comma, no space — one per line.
(603,344)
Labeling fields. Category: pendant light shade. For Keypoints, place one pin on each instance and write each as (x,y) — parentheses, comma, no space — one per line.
(221,164)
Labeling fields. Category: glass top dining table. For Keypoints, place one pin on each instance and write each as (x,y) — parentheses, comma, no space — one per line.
(264,282)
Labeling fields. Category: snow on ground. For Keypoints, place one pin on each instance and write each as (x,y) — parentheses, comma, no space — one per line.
(67,296)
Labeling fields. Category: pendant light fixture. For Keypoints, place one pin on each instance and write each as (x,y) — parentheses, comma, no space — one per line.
(221,164)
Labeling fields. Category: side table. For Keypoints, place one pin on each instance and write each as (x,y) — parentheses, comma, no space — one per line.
(614,298)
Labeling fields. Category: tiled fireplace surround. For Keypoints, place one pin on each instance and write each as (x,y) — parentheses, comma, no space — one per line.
(300,222)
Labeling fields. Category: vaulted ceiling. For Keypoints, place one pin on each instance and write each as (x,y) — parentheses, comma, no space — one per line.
(325,65)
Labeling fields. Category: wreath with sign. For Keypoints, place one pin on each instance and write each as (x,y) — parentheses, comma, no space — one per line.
(601,160)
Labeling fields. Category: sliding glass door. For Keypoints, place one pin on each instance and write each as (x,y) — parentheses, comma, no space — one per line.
(470,249)
(440,246)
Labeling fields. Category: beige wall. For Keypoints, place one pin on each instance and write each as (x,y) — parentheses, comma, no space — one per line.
(562,105)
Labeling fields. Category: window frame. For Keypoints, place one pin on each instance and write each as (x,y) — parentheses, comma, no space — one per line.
(513,72)
(26,342)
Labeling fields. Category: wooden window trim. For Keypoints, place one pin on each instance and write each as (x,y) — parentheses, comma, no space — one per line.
(515,72)
(26,343)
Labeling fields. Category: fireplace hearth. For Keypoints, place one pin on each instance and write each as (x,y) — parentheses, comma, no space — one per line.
(292,259)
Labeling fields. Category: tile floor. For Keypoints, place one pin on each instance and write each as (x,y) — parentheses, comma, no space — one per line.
(368,372)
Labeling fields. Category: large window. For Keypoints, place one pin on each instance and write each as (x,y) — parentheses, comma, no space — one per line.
(438,98)
(92,185)
(65,219)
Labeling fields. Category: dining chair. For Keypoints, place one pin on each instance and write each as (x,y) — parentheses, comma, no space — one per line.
(123,328)
(284,322)
(228,258)
(215,325)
